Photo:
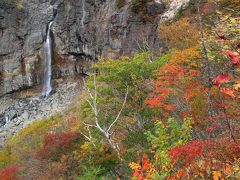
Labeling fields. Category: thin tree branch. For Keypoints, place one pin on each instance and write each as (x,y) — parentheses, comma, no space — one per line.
(119,113)
(207,62)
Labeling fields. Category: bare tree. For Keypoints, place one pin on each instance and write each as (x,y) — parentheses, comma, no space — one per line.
(209,76)
(107,132)
(143,40)
(207,61)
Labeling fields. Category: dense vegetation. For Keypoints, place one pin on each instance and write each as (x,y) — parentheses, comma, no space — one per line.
(144,117)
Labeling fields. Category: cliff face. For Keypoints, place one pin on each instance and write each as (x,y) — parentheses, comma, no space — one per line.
(83,30)
(22,32)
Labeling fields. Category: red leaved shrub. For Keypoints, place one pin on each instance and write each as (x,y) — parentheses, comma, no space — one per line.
(217,153)
(56,145)
(9,173)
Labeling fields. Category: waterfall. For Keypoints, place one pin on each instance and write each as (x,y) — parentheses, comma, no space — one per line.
(7,120)
(83,13)
(47,86)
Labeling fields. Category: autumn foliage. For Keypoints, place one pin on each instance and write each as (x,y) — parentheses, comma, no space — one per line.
(172,91)
(180,34)
(56,145)
(143,169)
(144,117)
(202,157)
(9,173)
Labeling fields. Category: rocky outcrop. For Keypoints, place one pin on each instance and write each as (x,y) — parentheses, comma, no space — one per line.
(21,39)
(95,29)
(20,112)
(174,5)
(83,30)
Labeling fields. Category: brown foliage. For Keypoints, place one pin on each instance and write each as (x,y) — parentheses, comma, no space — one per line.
(181,34)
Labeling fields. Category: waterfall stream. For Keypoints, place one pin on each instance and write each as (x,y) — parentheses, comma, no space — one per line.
(83,13)
(7,120)
(47,86)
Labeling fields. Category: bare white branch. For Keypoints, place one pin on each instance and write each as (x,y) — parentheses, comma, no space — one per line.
(92,101)
(120,112)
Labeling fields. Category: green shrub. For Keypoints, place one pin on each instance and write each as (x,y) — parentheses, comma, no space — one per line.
(166,136)
(138,6)
(91,172)
(120,3)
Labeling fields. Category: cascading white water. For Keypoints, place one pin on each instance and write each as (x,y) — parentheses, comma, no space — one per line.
(7,120)
(47,86)
(83,13)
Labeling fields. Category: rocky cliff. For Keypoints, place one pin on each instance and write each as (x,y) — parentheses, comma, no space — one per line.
(83,31)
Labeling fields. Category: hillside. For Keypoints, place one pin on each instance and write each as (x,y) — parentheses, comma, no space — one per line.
(119,89)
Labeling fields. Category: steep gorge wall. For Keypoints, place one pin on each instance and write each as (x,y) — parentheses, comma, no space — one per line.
(83,30)
(21,40)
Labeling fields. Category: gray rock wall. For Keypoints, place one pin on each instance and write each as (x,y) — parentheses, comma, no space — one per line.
(83,30)
(21,39)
